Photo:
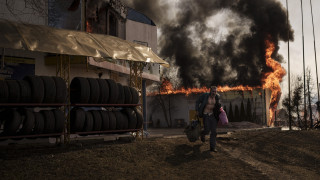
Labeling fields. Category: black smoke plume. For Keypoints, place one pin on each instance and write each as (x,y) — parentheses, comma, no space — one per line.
(218,42)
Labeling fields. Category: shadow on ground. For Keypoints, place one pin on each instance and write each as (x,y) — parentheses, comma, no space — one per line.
(186,153)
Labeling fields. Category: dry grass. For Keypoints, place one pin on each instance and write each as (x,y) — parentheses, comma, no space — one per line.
(242,155)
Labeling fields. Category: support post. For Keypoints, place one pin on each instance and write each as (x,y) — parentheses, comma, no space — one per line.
(145,127)
(63,71)
(2,58)
(136,70)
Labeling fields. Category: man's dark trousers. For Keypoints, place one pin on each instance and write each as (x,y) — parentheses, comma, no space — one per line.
(210,124)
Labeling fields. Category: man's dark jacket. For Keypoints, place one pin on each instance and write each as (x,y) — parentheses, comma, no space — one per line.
(203,100)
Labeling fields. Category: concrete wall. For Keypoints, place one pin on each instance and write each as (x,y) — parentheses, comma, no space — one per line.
(259,99)
(182,106)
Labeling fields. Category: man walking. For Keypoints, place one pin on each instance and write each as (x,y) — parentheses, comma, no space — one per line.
(208,107)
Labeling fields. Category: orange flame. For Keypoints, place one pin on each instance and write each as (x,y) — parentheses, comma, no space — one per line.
(88,27)
(270,80)
(166,88)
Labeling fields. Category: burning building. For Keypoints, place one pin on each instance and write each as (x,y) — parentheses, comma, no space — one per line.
(262,101)
(240,105)
(232,44)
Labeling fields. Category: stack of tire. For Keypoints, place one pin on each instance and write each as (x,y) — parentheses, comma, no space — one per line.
(23,121)
(101,91)
(99,120)
(33,89)
(36,90)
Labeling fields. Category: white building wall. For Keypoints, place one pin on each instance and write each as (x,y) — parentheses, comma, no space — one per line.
(76,70)
(179,110)
(81,70)
(136,31)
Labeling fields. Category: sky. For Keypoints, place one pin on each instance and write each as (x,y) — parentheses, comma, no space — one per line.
(296,47)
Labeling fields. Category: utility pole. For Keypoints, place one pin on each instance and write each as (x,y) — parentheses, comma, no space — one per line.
(290,118)
(304,73)
(315,58)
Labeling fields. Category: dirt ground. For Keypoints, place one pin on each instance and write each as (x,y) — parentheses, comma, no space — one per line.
(251,154)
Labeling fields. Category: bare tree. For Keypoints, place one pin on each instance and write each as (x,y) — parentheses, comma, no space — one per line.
(248,111)
(236,114)
(230,113)
(296,100)
(243,116)
(310,95)
(163,99)
(29,7)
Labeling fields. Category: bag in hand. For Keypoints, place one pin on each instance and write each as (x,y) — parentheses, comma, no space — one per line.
(193,130)
(223,119)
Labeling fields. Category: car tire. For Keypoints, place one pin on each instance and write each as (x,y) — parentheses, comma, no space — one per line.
(105,120)
(14,91)
(77,119)
(79,90)
(113,91)
(94,90)
(25,91)
(104,91)
(37,88)
(4,92)
(61,90)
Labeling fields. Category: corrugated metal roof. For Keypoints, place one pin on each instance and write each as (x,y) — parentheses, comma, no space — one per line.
(139,17)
